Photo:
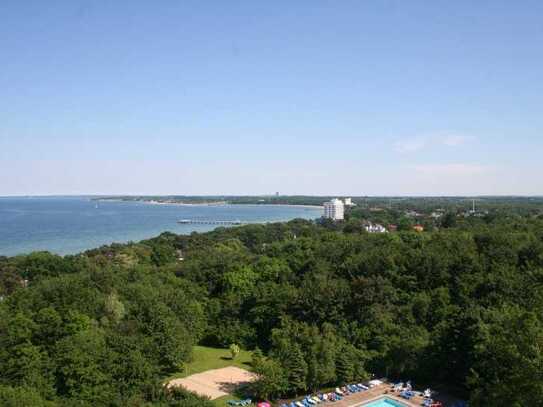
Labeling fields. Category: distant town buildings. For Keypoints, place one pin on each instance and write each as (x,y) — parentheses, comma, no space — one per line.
(334,209)
(348,202)
(475,212)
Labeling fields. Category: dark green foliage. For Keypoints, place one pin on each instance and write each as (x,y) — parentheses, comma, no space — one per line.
(510,346)
(448,220)
(23,362)
(272,379)
(85,367)
(296,368)
(344,367)
(22,397)
(178,397)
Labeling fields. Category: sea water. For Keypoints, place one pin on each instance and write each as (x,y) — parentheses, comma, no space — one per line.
(68,225)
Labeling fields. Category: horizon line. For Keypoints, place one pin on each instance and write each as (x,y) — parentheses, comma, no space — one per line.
(267,196)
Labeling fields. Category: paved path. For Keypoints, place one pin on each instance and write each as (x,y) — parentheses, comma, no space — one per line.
(376,392)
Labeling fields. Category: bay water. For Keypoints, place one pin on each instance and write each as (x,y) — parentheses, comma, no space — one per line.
(68,225)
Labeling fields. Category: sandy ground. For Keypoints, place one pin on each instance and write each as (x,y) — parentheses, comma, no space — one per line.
(215,383)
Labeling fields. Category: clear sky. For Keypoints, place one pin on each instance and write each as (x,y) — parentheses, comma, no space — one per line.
(252,97)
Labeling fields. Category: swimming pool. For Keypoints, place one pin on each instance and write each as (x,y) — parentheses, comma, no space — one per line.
(383,402)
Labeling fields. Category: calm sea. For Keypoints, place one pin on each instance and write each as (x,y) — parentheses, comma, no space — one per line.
(67,225)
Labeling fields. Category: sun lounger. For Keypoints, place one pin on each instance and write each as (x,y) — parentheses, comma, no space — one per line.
(398,386)
(407,394)
(375,382)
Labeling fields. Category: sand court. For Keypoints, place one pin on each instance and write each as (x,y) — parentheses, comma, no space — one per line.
(215,383)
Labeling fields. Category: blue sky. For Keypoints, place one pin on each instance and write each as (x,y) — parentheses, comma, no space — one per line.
(248,97)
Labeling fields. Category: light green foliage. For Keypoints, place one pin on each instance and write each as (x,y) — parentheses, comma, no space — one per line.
(114,308)
(234,350)
(241,282)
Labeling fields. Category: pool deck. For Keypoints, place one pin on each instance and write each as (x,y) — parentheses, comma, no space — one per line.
(374,393)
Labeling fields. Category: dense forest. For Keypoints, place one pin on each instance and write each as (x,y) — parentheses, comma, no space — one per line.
(458,307)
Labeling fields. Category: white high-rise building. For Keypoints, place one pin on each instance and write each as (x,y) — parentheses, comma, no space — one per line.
(334,209)
(348,202)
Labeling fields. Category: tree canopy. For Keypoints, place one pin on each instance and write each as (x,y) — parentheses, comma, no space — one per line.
(459,306)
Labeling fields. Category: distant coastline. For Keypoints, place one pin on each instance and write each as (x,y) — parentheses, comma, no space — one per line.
(199,201)
(212,203)
(154,202)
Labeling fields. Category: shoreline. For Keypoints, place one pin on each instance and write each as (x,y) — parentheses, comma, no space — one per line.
(218,203)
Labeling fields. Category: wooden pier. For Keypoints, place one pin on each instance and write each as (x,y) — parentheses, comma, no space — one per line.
(215,222)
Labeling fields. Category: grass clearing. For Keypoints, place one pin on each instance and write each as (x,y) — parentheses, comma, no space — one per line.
(205,358)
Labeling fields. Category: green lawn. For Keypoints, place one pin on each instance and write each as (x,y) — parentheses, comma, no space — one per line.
(204,358)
